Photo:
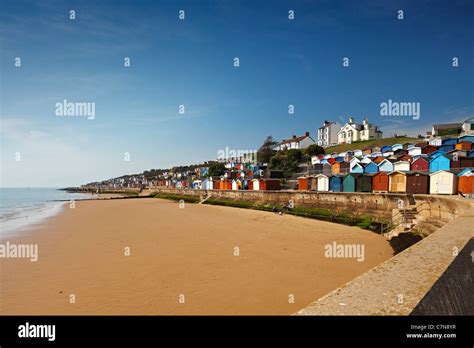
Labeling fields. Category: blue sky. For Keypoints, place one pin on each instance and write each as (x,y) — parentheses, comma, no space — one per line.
(190,62)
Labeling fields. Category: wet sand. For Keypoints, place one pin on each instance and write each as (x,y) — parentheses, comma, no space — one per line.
(179,255)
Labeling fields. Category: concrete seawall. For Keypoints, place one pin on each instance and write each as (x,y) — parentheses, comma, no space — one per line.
(432,277)
(453,293)
(377,204)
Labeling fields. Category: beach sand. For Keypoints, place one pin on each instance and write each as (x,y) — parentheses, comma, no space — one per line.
(175,252)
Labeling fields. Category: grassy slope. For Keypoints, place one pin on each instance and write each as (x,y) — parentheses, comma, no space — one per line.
(369,144)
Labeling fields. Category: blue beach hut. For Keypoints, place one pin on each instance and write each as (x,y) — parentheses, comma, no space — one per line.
(439,162)
(371,168)
(335,183)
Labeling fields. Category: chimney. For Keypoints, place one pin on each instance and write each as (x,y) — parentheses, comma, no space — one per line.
(307,134)
(294,136)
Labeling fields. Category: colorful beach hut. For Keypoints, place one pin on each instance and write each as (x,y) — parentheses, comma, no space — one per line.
(357,168)
(421,164)
(439,162)
(349,183)
(335,183)
(304,183)
(397,182)
(418,182)
(256,184)
(386,166)
(371,168)
(207,184)
(323,182)
(386,148)
(270,184)
(449,141)
(443,183)
(364,183)
(380,182)
(464,145)
(466,181)
(414,151)
(428,149)
(462,163)
(326,169)
(402,166)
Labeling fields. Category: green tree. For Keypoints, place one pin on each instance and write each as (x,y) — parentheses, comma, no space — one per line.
(216,169)
(266,151)
(314,150)
(287,161)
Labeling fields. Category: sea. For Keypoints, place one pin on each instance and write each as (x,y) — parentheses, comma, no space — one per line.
(22,209)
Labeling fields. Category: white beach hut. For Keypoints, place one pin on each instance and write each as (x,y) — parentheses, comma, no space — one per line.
(401,166)
(443,183)
(414,151)
(207,184)
(235,185)
(353,162)
(323,182)
(256,184)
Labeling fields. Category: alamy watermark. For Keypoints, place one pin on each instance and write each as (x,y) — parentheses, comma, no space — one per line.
(393,108)
(12,251)
(67,108)
(239,156)
(345,251)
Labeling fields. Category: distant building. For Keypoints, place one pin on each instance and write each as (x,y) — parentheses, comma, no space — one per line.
(327,134)
(445,129)
(468,127)
(352,131)
(295,142)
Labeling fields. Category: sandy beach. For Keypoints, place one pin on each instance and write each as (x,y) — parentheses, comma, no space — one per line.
(179,255)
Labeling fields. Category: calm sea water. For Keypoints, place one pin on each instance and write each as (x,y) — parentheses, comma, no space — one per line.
(25,208)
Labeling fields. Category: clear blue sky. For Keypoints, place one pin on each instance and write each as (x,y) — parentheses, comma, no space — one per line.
(190,62)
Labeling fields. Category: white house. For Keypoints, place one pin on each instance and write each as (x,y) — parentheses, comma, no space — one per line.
(327,134)
(352,131)
(295,142)
(468,127)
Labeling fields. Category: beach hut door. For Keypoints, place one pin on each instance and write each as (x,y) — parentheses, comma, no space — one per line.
(443,184)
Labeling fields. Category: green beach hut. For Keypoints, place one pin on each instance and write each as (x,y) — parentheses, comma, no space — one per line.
(349,183)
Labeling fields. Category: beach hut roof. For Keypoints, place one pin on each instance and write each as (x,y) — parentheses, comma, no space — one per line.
(466,172)
(396,171)
(441,171)
(416,172)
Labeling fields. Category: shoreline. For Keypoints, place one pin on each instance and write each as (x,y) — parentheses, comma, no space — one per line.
(177,251)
